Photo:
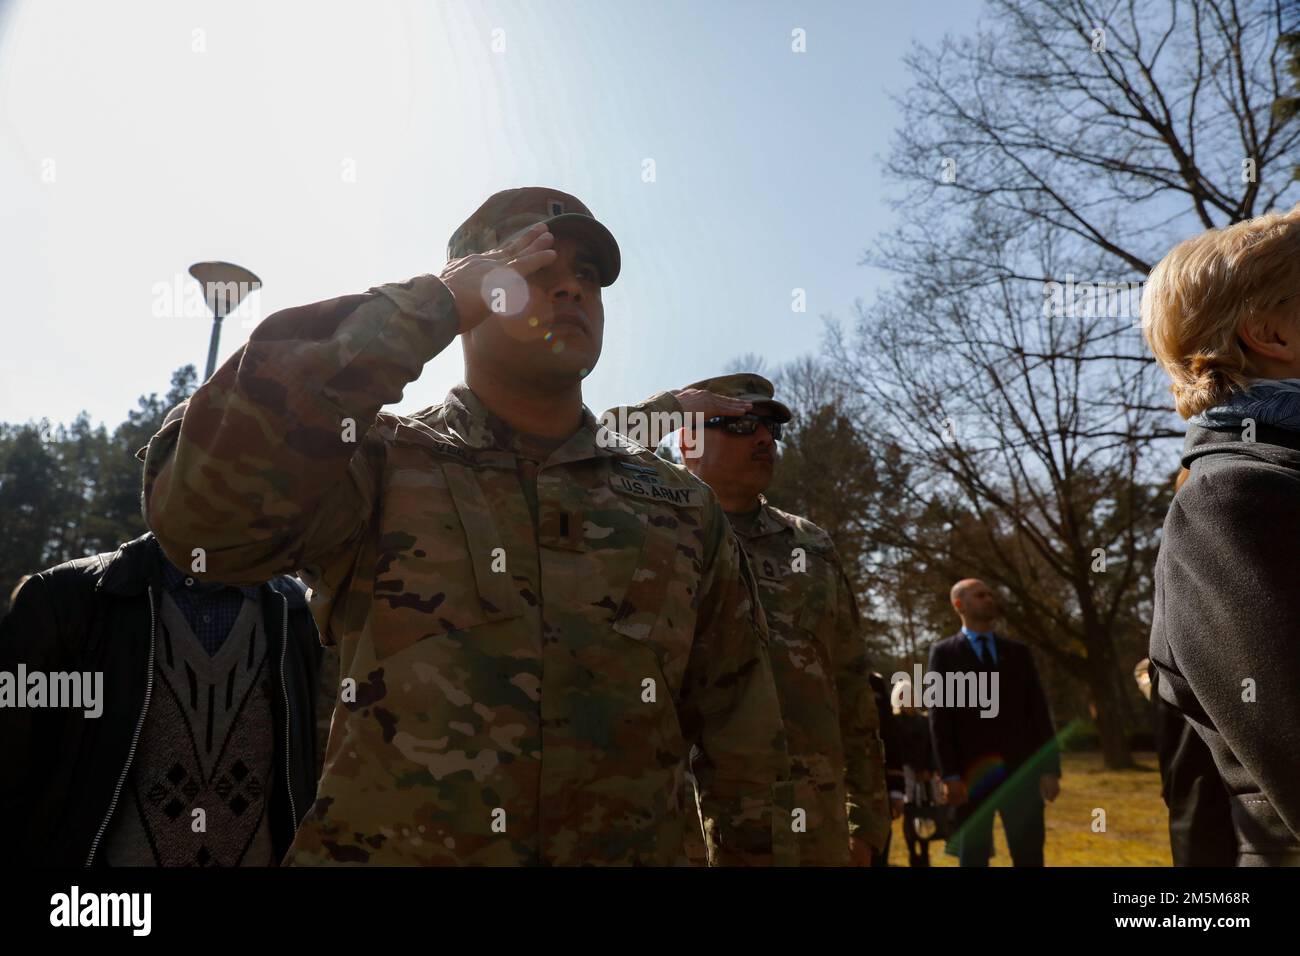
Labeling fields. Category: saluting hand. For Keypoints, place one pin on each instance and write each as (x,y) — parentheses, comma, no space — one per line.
(469,280)
(695,400)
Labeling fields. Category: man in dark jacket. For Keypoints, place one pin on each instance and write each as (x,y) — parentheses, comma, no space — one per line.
(198,748)
(1001,758)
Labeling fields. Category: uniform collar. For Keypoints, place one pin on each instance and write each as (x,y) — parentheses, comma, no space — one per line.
(759,523)
(465,419)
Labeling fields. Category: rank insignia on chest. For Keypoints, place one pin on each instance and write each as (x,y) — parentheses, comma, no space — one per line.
(562,528)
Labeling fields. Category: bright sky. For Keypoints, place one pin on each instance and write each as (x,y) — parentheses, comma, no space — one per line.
(331,147)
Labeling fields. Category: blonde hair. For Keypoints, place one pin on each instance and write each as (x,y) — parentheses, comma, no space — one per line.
(1197,296)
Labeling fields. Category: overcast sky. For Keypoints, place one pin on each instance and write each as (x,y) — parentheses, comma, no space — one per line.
(331,147)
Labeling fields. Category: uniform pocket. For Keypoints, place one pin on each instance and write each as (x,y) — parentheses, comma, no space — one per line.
(648,611)
(811,616)
(798,616)
(818,592)
(643,601)
(630,572)
(437,547)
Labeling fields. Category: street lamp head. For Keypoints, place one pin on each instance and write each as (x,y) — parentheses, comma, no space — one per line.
(225,285)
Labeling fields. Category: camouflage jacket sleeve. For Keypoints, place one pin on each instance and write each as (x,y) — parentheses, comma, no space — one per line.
(864,756)
(731,714)
(269,469)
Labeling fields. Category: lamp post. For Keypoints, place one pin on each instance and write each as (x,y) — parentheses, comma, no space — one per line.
(225,285)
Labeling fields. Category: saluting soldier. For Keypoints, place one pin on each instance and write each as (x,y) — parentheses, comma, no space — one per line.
(538,620)
(841,813)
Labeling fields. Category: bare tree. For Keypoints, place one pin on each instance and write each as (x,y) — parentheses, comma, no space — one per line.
(1047,164)
(830,473)
(1287,108)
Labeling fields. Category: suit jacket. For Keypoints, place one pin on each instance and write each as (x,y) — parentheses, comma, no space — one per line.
(967,744)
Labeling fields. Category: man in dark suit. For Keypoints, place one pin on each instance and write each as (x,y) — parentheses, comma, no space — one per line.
(998,759)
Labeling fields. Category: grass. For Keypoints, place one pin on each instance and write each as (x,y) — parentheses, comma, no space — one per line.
(1136,822)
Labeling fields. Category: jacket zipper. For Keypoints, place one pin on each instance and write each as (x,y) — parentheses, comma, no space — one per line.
(284,687)
(135,738)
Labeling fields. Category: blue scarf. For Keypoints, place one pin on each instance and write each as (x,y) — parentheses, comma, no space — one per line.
(1268,401)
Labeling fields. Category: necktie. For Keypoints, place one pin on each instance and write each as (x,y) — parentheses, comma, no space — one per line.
(983,641)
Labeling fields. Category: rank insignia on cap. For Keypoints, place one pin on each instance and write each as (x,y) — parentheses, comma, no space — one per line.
(557,207)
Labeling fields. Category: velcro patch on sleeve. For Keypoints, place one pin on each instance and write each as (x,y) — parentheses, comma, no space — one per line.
(652,489)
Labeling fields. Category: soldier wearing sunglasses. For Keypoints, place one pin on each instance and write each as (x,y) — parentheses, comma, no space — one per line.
(840,814)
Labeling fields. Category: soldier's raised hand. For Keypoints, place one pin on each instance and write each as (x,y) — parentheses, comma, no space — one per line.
(471,280)
(702,400)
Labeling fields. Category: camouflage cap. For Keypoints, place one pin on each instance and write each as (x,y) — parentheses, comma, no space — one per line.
(173,415)
(511,210)
(751,388)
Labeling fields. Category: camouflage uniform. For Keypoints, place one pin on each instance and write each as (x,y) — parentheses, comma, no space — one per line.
(821,667)
(820,663)
(534,652)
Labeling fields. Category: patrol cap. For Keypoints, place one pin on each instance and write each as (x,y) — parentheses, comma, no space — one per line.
(174,415)
(748,387)
(513,210)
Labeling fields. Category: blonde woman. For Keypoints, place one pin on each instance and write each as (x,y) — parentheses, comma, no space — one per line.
(1221,313)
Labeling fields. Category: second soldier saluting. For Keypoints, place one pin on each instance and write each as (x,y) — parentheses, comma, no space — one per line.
(840,814)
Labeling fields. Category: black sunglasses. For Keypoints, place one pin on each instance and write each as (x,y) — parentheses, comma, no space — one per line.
(744,425)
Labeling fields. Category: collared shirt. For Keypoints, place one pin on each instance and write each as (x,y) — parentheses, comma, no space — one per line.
(209,608)
(993,652)
(991,644)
